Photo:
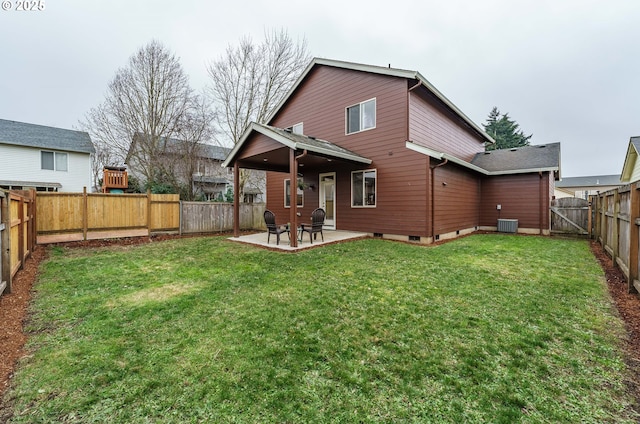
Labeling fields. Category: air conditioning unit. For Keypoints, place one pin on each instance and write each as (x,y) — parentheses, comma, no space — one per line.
(508,225)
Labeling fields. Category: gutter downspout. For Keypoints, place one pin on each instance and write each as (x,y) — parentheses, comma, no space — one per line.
(433,197)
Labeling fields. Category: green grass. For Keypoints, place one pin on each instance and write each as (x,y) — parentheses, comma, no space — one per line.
(487,328)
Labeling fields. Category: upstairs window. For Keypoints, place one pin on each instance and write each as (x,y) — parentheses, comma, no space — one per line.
(361,117)
(53,161)
(363,188)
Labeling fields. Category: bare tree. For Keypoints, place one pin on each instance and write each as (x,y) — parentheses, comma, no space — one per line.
(147,103)
(249,81)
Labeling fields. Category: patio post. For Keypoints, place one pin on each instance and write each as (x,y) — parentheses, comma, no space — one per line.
(236,200)
(293,198)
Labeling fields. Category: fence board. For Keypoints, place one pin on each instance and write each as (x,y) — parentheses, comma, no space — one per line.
(207,217)
(618,229)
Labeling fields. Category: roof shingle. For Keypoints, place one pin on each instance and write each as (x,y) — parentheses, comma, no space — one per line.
(40,136)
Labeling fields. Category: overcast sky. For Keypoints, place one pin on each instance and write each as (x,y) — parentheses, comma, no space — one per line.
(565,70)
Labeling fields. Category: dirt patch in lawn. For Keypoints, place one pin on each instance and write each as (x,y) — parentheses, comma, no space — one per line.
(14,310)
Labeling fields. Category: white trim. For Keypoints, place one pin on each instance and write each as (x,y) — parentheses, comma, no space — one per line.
(265,130)
(381,70)
(360,116)
(440,155)
(335,195)
(375,194)
(290,195)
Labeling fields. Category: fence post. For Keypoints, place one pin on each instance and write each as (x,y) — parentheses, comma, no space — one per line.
(85,214)
(615,248)
(5,243)
(634,214)
(149,212)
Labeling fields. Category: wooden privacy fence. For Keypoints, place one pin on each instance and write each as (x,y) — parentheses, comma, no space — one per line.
(17,233)
(570,215)
(87,216)
(617,228)
(206,217)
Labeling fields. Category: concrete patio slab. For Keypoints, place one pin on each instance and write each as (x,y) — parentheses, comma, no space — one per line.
(330,236)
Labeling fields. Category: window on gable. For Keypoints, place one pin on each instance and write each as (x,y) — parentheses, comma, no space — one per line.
(361,117)
(363,188)
(287,193)
(53,161)
(296,129)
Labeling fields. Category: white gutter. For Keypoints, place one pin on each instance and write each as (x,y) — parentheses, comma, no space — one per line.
(441,155)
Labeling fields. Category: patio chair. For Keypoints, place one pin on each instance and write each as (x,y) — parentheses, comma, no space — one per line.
(272,228)
(317,221)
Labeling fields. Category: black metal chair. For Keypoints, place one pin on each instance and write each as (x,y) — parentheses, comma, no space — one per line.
(317,221)
(272,228)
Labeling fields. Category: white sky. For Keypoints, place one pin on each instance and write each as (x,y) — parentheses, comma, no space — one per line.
(565,70)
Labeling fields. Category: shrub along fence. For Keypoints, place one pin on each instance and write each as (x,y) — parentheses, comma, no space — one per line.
(17,233)
(617,228)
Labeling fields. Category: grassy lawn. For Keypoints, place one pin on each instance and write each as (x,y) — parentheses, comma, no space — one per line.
(487,328)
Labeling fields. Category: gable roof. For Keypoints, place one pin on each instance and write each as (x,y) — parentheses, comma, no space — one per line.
(207,151)
(543,157)
(43,137)
(589,181)
(296,142)
(522,160)
(381,70)
(629,171)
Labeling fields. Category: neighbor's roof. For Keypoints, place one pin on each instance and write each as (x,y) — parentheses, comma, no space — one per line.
(543,157)
(40,136)
(381,70)
(296,142)
(589,181)
(629,172)
(207,151)
(30,184)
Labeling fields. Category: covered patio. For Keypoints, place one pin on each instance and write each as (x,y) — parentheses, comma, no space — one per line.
(268,148)
(330,237)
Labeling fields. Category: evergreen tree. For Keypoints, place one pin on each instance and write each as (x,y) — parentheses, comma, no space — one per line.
(505,131)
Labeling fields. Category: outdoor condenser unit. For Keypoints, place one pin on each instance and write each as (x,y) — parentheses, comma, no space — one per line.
(508,225)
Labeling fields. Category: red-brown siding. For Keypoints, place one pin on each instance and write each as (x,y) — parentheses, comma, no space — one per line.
(402,175)
(457,199)
(523,197)
(432,126)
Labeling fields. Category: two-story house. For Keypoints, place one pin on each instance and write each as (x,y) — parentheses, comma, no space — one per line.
(44,158)
(384,152)
(194,165)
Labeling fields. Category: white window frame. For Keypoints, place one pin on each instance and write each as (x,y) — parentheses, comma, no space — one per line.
(56,156)
(296,128)
(287,181)
(365,203)
(361,116)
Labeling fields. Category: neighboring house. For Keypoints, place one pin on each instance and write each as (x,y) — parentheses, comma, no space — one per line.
(44,158)
(384,152)
(583,187)
(631,167)
(207,178)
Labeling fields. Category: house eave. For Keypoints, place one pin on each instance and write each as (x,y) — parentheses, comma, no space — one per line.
(381,70)
(441,155)
(293,145)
